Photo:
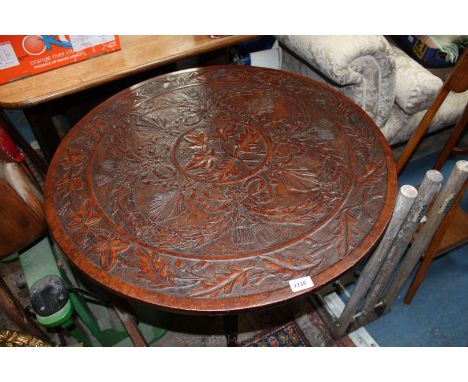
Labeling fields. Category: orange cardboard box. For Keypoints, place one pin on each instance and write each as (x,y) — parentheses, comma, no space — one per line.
(22,56)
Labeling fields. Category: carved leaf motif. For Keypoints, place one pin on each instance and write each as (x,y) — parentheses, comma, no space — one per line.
(167,205)
(84,218)
(142,265)
(72,158)
(224,133)
(251,230)
(241,233)
(194,104)
(263,234)
(297,179)
(108,247)
(247,142)
(69,183)
(259,190)
(223,282)
(271,266)
(197,141)
(227,170)
(148,124)
(201,160)
(294,263)
(163,267)
(374,174)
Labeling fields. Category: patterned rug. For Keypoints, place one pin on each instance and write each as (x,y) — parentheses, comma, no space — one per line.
(288,334)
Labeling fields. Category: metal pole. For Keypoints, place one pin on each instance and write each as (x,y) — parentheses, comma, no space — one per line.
(426,192)
(435,216)
(404,201)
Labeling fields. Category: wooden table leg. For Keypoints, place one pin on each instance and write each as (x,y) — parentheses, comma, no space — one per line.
(231,329)
(122,309)
(40,120)
(131,327)
(10,305)
(456,134)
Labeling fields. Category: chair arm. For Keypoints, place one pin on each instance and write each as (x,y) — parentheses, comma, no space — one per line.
(362,67)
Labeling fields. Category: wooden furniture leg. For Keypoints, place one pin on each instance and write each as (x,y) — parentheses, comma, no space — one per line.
(432,250)
(131,327)
(457,132)
(456,82)
(40,120)
(231,329)
(11,306)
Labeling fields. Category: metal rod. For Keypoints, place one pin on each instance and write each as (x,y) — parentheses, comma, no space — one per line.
(405,200)
(423,239)
(429,187)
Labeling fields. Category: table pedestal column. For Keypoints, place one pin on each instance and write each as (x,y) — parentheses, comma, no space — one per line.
(231,329)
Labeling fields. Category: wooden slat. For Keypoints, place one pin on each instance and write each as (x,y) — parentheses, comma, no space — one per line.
(457,233)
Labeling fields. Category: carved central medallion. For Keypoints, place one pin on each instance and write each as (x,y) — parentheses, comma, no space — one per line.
(220,152)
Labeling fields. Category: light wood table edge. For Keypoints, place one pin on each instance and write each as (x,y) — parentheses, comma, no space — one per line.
(218,43)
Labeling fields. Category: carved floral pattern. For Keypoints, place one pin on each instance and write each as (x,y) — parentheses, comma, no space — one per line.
(220,182)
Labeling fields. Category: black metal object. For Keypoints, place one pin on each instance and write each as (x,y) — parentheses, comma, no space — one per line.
(48,295)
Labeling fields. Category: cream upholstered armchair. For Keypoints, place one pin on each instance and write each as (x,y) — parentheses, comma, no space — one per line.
(389,85)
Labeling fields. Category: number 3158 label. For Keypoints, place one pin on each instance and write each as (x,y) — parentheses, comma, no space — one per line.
(301,284)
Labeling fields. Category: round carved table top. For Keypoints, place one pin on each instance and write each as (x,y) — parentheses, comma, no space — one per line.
(208,190)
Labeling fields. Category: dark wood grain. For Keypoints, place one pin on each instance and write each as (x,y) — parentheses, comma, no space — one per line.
(207,190)
(21,211)
(454,137)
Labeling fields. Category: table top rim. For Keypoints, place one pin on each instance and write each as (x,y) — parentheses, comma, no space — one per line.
(285,295)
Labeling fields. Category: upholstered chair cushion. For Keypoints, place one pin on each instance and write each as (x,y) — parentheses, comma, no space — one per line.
(416,87)
(388,84)
(361,67)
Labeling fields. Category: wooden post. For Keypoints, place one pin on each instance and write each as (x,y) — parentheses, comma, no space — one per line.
(456,134)
(428,189)
(404,201)
(231,329)
(423,239)
(432,250)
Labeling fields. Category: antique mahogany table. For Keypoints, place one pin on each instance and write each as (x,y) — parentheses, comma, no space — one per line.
(208,190)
